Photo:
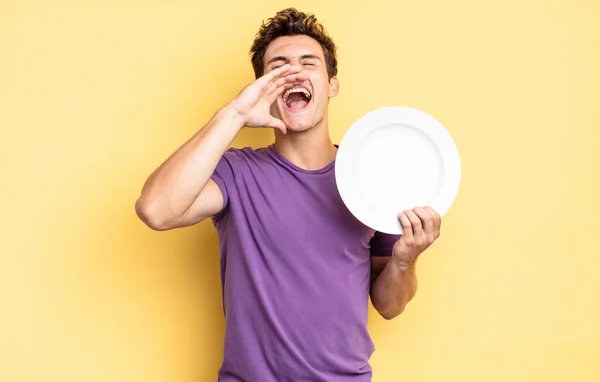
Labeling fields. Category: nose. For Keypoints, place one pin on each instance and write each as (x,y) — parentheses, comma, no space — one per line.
(297,65)
(301,77)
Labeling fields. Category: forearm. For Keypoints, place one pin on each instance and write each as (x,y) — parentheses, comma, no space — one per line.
(395,286)
(175,185)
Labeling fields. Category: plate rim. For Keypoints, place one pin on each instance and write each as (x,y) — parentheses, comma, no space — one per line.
(427,124)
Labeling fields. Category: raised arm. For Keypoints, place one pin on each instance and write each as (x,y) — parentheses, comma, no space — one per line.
(180,192)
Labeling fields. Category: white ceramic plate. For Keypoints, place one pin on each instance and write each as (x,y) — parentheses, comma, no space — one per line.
(396,158)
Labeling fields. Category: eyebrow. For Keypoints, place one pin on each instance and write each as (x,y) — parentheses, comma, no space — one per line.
(303,57)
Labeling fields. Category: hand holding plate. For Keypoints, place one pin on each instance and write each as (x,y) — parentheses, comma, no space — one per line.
(421,227)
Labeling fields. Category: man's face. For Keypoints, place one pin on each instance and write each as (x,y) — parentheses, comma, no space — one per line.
(305,105)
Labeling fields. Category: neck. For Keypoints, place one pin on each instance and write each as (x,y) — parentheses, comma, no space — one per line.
(310,150)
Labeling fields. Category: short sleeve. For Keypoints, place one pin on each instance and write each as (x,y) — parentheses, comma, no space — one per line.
(224,176)
(383,243)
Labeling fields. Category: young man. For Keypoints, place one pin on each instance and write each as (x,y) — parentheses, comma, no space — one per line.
(297,267)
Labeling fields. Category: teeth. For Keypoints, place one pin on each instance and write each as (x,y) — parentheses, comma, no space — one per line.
(295,90)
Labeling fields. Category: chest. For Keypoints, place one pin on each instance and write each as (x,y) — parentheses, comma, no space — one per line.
(285,208)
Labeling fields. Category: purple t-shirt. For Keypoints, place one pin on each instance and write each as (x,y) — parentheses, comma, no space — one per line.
(295,272)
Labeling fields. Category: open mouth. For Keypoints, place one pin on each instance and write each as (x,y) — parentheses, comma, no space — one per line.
(296,99)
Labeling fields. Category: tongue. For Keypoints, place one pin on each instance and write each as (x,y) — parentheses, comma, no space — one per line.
(296,101)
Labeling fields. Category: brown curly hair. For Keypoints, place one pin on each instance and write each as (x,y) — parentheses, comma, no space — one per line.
(290,22)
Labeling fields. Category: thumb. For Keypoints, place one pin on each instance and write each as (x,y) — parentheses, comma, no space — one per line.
(278,124)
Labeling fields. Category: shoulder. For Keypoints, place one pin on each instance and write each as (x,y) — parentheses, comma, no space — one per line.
(240,161)
(246,154)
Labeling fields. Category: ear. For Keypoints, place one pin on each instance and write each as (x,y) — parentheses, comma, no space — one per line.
(334,87)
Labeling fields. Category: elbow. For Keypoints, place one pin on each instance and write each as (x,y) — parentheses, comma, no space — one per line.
(390,314)
(148,212)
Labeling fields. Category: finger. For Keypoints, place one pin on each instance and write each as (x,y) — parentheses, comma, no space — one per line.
(270,76)
(274,92)
(426,220)
(437,220)
(294,77)
(277,90)
(406,227)
(417,226)
(283,84)
(275,74)
(277,124)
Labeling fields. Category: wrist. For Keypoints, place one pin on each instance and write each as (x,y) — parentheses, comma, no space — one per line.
(233,118)
(404,264)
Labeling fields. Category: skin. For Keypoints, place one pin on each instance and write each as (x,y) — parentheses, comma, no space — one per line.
(180,193)
(394,281)
(307,142)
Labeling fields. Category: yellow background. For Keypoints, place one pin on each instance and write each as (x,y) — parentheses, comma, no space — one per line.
(94,95)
